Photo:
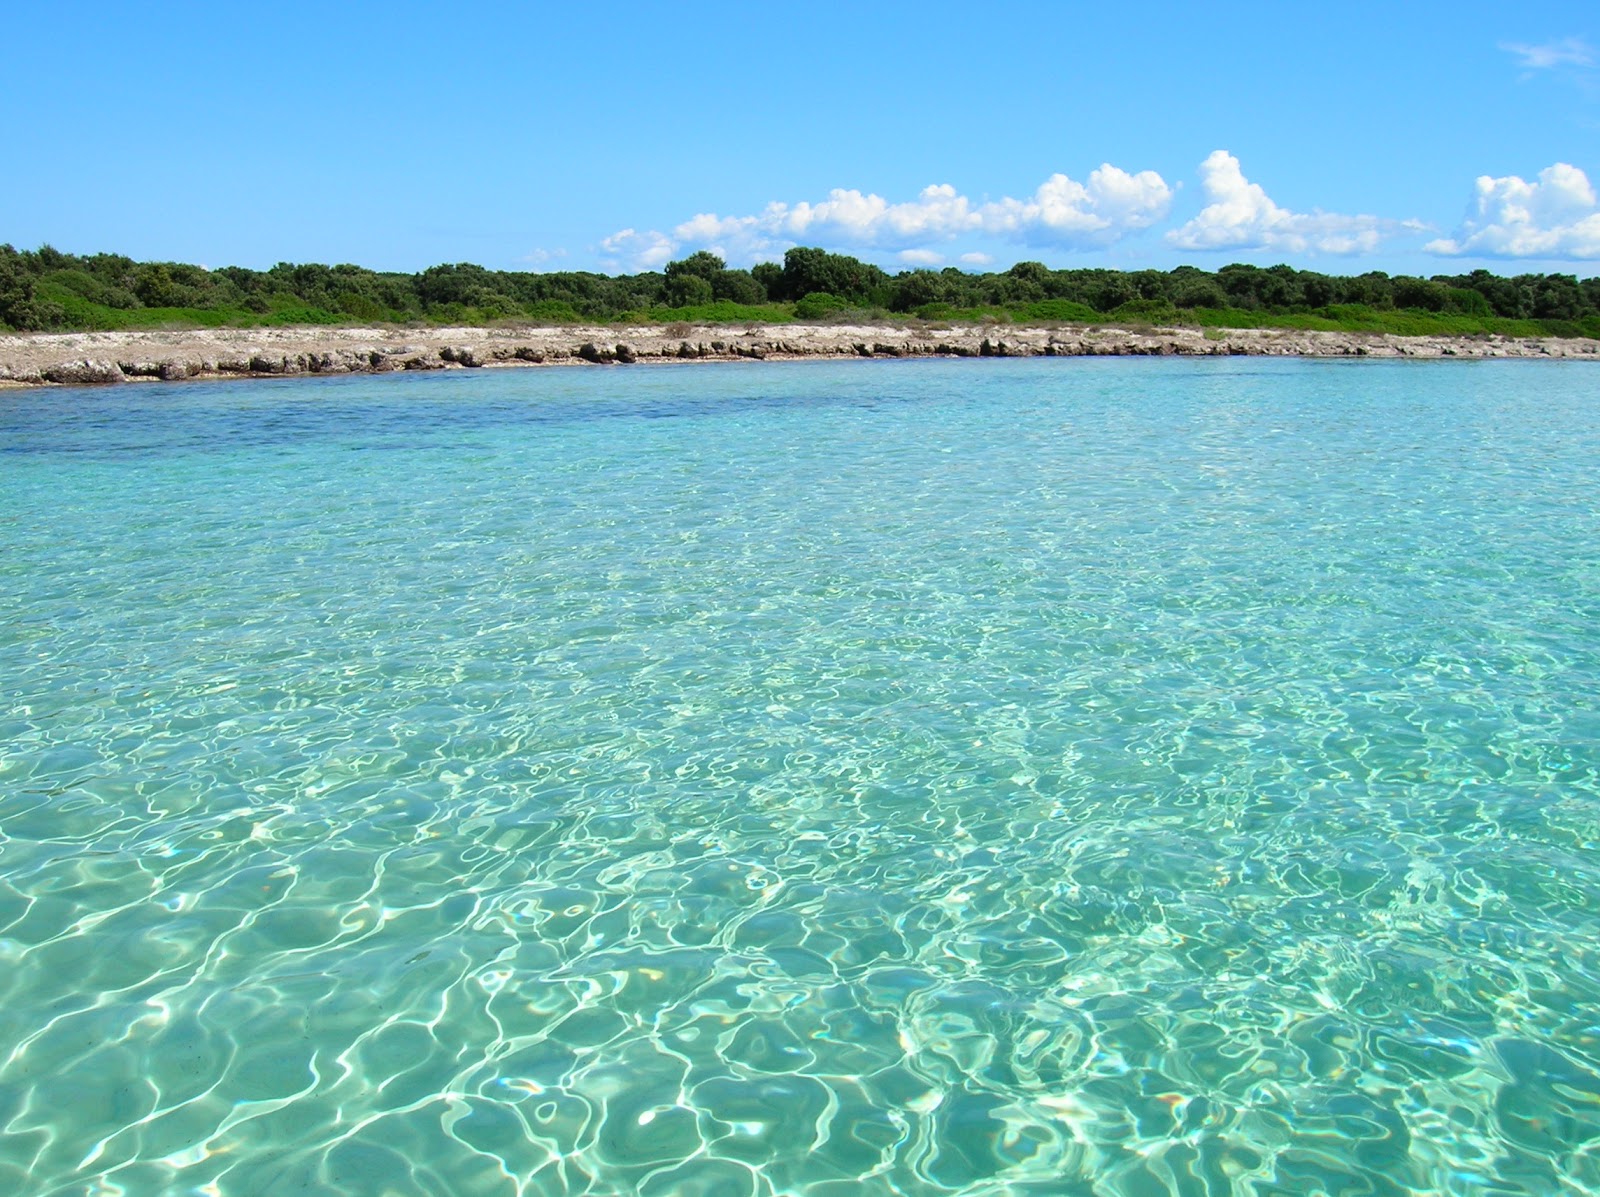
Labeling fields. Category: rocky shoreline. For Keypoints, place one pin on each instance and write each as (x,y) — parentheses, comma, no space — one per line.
(69,359)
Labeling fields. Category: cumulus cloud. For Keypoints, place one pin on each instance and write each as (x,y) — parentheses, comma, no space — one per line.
(1557,216)
(1062,213)
(1567,52)
(1065,212)
(538,257)
(1242,216)
(938,213)
(643,251)
(977,259)
(921,257)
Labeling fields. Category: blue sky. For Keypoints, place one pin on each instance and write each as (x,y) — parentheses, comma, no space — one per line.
(1417,138)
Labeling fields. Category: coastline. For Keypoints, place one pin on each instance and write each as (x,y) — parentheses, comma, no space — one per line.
(67,359)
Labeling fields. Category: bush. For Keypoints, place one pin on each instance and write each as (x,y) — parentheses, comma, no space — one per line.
(687,290)
(38,315)
(1466,302)
(48,290)
(1146,311)
(723,312)
(157,287)
(553,311)
(818,304)
(362,307)
(1420,294)
(1063,311)
(738,286)
(809,271)
(88,287)
(918,289)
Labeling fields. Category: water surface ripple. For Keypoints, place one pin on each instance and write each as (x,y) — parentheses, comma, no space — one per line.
(1046,777)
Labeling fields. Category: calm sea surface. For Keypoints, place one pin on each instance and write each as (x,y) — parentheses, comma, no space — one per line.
(1047,777)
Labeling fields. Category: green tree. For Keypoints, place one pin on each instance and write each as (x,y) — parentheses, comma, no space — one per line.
(1112,291)
(1558,297)
(807,271)
(16,287)
(737,286)
(1467,302)
(915,288)
(702,264)
(687,290)
(1199,291)
(1420,293)
(156,288)
(1374,289)
(770,276)
(462,284)
(1028,281)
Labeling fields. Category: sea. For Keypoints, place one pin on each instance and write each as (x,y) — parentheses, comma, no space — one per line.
(1123,777)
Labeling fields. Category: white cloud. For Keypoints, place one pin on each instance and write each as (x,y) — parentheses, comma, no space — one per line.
(920,257)
(539,257)
(847,217)
(938,213)
(977,259)
(1569,51)
(1062,212)
(1242,216)
(1065,212)
(639,251)
(1556,217)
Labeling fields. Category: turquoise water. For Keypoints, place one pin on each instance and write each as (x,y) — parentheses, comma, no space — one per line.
(1045,777)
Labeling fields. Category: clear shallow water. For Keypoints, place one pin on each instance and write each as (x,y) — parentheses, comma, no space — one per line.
(1119,777)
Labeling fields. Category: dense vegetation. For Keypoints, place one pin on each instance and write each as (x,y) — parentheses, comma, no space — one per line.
(52,291)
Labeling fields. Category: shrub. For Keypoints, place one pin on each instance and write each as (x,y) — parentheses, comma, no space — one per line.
(1149,311)
(818,304)
(38,315)
(1063,311)
(553,311)
(687,290)
(362,307)
(724,312)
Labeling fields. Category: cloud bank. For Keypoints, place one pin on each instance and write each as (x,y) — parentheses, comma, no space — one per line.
(1242,216)
(1062,213)
(645,251)
(1557,216)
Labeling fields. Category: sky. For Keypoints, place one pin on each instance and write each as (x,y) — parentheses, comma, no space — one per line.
(1421,138)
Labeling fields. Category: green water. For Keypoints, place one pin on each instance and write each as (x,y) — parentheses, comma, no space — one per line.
(1046,777)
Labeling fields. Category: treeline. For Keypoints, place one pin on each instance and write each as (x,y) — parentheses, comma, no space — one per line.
(47,290)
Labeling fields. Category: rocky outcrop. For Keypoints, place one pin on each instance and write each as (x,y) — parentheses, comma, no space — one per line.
(266,363)
(80,373)
(85,358)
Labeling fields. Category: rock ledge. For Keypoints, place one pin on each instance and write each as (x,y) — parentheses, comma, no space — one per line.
(76,359)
